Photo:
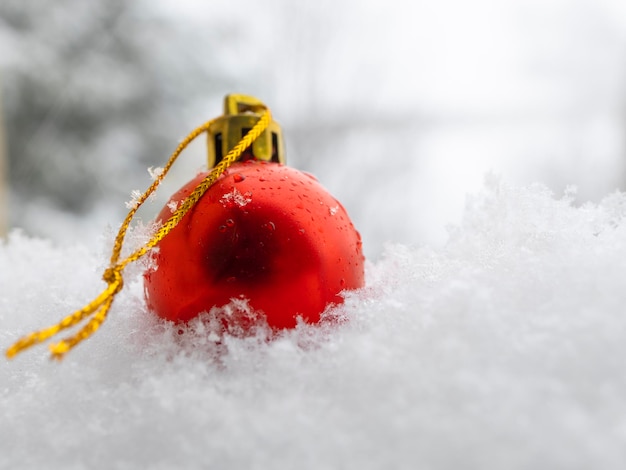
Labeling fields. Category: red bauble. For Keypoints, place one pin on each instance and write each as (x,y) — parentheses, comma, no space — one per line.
(265,232)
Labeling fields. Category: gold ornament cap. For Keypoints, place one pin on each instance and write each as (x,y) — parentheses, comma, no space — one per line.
(241,113)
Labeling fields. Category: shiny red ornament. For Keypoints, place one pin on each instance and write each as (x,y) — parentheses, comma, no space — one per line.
(265,232)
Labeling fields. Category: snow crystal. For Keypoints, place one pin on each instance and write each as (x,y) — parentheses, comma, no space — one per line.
(155,173)
(172,205)
(503,349)
(235,197)
(135,195)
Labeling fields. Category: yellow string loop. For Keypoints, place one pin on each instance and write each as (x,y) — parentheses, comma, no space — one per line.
(99,307)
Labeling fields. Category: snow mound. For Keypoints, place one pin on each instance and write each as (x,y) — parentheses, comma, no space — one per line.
(503,349)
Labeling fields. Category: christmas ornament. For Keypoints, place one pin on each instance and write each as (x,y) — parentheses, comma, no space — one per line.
(264,231)
(249,228)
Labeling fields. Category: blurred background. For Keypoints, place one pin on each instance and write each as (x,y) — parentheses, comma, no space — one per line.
(399,108)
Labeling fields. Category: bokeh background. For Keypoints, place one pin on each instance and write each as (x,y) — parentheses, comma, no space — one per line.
(399,108)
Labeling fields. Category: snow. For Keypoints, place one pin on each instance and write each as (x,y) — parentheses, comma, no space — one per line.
(502,348)
(235,197)
(155,173)
(135,196)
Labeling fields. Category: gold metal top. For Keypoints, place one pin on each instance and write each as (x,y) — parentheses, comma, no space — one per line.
(241,113)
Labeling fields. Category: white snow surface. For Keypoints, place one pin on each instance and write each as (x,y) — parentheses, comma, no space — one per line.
(504,348)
